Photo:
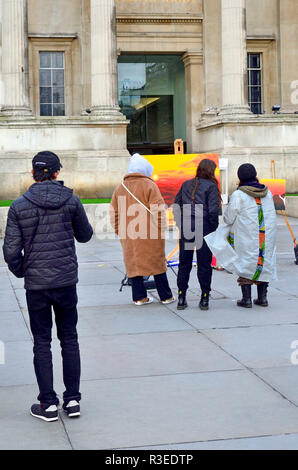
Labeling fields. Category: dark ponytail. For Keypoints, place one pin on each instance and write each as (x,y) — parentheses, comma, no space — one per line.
(194,190)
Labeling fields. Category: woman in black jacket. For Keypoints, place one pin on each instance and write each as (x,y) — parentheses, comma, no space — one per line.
(197,207)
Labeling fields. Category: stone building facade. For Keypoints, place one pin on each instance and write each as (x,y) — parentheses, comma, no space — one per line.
(90,79)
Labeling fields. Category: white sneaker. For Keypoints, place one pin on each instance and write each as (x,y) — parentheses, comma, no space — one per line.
(168,301)
(72,409)
(149,300)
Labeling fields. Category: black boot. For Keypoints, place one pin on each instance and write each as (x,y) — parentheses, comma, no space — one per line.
(204,303)
(182,304)
(246,297)
(262,295)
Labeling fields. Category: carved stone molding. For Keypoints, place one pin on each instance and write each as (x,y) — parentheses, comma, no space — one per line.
(192,57)
(151,19)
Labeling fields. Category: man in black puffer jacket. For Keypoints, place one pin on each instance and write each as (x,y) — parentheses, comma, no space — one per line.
(39,245)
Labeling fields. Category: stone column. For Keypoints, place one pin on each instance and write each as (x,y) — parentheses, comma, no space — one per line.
(104,79)
(234,57)
(15,58)
(194,84)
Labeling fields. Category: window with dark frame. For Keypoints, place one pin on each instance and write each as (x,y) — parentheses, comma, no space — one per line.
(255,92)
(52,83)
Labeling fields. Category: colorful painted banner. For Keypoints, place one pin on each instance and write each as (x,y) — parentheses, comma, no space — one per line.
(170,171)
(278,190)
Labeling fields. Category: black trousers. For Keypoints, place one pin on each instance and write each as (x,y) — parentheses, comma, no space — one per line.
(204,271)
(64,302)
(139,291)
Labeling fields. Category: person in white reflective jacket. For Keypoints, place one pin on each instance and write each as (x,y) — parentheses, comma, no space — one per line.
(246,245)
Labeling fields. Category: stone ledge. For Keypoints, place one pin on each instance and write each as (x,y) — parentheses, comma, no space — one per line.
(98,215)
(262,119)
(53,36)
(60,121)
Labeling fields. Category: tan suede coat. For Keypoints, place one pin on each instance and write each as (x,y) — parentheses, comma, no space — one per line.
(141,234)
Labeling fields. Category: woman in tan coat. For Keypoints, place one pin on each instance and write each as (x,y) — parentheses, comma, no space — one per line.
(138,218)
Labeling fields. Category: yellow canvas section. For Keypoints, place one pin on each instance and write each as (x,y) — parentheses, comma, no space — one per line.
(277,186)
(184,165)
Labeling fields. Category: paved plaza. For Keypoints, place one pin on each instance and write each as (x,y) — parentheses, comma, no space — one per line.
(156,378)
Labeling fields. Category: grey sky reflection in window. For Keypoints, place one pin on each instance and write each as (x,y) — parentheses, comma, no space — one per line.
(255,92)
(52,83)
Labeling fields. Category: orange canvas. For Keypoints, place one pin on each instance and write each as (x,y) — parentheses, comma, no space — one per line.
(278,190)
(170,171)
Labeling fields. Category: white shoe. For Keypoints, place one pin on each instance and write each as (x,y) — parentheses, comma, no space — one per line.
(72,409)
(149,300)
(168,301)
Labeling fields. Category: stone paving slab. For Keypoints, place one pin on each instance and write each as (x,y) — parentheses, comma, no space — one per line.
(224,313)
(19,431)
(18,367)
(257,347)
(108,320)
(111,356)
(92,296)
(93,252)
(227,285)
(151,354)
(8,301)
(5,284)
(283,379)
(179,408)
(284,286)
(129,319)
(282,442)
(13,327)
(99,274)
(16,282)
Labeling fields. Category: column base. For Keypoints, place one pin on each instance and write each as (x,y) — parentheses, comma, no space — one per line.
(16,111)
(107,113)
(234,110)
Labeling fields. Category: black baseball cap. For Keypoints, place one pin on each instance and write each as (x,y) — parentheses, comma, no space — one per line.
(46,160)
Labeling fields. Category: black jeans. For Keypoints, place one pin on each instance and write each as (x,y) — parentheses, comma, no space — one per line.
(64,302)
(204,259)
(139,291)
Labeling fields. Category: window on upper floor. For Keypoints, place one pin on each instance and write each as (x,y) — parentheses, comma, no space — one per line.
(255,92)
(52,83)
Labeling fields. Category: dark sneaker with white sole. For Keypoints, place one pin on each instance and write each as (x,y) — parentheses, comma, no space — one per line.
(72,409)
(49,414)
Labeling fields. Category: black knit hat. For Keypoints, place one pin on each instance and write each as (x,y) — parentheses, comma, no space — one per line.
(47,161)
(247,172)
